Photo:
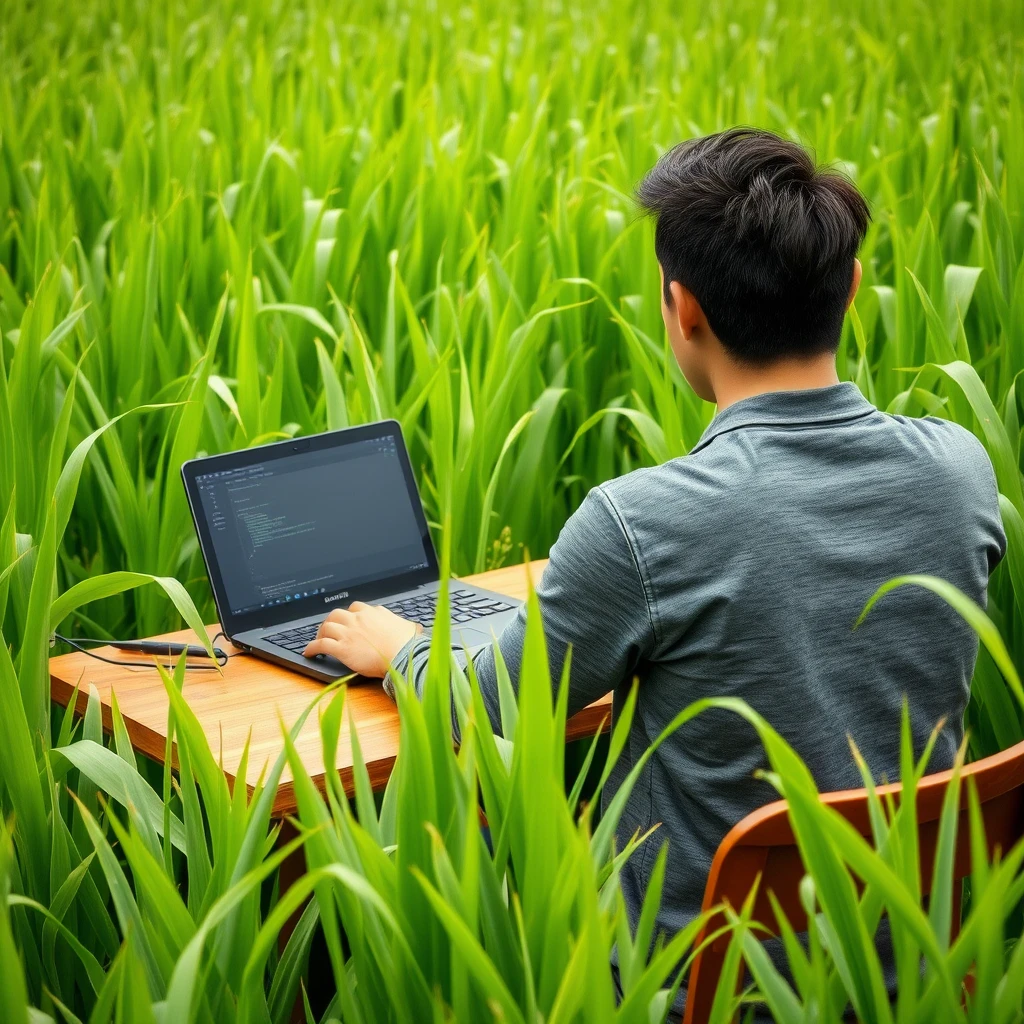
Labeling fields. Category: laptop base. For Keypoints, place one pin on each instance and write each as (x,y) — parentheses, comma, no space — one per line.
(471,632)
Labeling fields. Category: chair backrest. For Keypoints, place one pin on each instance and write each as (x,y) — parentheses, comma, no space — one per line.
(763,844)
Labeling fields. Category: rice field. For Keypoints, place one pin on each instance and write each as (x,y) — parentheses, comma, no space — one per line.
(227,223)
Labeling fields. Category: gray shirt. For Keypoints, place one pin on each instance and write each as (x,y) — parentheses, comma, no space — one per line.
(740,569)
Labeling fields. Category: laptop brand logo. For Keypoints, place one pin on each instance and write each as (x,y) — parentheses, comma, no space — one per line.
(336,597)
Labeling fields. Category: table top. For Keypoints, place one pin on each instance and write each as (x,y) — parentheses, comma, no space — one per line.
(252,695)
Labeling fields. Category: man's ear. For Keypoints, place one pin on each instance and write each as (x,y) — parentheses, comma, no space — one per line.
(686,309)
(858,272)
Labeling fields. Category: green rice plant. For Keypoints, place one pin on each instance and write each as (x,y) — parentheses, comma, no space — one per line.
(228,223)
(424,919)
(57,893)
(157,905)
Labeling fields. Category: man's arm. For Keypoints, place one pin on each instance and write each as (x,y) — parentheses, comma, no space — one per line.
(591,596)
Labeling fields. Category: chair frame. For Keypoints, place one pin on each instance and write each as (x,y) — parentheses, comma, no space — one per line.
(762,845)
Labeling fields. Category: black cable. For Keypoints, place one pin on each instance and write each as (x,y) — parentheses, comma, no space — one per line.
(77,641)
(220,632)
(227,657)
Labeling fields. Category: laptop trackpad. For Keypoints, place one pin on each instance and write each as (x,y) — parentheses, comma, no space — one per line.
(469,637)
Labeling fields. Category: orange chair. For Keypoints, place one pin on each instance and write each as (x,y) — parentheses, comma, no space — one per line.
(762,844)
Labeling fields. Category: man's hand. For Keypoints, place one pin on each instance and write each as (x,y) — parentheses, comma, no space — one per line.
(365,637)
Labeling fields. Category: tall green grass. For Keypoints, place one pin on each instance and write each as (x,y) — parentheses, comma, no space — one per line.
(227,223)
(170,910)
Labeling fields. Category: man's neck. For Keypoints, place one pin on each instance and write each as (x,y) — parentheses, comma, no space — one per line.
(734,381)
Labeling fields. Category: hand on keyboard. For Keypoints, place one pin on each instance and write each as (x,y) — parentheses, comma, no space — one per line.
(364,637)
(373,634)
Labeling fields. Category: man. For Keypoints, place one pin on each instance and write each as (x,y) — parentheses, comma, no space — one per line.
(740,568)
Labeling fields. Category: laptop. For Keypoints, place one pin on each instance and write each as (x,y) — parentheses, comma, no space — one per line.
(291,530)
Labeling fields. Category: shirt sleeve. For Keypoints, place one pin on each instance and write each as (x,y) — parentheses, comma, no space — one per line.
(591,597)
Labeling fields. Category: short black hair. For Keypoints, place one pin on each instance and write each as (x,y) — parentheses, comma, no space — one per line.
(763,238)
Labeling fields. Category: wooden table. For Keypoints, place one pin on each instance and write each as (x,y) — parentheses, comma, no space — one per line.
(254,695)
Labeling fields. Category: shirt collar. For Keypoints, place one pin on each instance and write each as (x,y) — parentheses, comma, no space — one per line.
(837,403)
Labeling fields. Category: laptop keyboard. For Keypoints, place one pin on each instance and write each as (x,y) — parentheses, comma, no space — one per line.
(466,605)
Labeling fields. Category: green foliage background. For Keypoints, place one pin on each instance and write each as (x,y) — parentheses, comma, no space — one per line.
(225,223)
(423,210)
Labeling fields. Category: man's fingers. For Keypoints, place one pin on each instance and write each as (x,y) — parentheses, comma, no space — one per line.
(330,636)
(357,606)
(332,630)
(338,615)
(334,622)
(333,646)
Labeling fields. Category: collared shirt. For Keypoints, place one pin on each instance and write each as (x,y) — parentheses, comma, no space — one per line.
(739,570)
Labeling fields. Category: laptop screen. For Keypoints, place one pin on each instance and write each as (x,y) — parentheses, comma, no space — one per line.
(311,523)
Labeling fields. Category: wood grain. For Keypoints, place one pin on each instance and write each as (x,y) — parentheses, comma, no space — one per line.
(252,698)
